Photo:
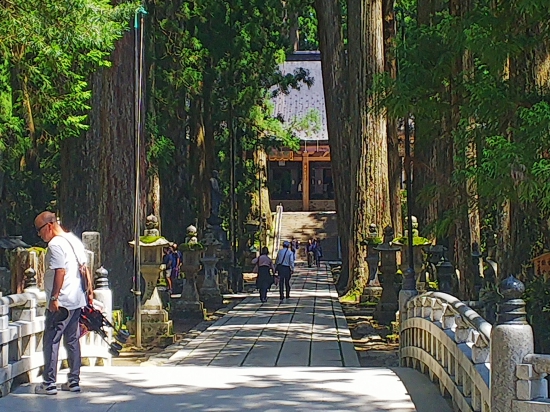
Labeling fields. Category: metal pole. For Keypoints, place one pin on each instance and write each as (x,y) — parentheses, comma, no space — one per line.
(232,195)
(409,281)
(138,64)
(260,194)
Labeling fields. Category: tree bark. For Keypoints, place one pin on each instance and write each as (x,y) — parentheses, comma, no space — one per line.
(394,161)
(98,173)
(369,156)
(334,66)
(200,180)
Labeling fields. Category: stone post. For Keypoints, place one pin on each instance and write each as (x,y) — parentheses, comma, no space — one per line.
(92,242)
(408,291)
(511,341)
(30,280)
(102,293)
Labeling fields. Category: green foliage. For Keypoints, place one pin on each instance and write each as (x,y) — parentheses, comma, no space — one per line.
(537,298)
(48,51)
(191,246)
(417,241)
(149,239)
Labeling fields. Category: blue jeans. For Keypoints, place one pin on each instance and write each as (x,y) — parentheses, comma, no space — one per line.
(69,329)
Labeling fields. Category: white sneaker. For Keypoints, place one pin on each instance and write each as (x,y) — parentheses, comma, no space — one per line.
(70,386)
(46,390)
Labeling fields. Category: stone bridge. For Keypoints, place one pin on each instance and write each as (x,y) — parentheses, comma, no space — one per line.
(298,356)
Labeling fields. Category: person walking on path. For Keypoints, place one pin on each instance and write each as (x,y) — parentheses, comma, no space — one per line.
(294,246)
(318,251)
(310,253)
(265,271)
(66,297)
(284,267)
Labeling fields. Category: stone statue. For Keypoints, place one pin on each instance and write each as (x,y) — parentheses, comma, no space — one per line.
(215,194)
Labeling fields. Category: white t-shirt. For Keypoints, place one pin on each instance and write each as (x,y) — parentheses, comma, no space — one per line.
(60,255)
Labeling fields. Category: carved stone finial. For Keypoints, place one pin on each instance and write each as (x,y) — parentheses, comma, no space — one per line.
(30,278)
(191,232)
(388,234)
(101,279)
(151,222)
(512,309)
(512,288)
(151,226)
(373,230)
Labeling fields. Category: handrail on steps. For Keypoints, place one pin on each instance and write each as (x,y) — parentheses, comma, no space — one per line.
(277,231)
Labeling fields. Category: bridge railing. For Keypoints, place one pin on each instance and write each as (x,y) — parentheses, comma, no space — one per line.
(442,336)
(22,320)
(481,367)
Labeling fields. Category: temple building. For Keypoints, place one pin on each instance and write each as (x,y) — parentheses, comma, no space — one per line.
(302,180)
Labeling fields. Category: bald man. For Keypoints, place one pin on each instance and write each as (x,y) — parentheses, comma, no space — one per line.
(66,298)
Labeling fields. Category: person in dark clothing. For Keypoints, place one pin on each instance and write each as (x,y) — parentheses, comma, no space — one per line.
(318,252)
(310,251)
(294,246)
(285,268)
(168,262)
(265,270)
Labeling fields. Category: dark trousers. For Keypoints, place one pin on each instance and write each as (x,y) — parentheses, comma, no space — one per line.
(284,281)
(310,259)
(69,330)
(263,294)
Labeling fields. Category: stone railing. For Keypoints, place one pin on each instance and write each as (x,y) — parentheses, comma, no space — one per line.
(532,386)
(442,336)
(22,329)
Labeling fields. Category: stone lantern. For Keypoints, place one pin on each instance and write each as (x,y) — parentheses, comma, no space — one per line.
(189,305)
(446,276)
(210,291)
(372,291)
(154,319)
(419,243)
(388,304)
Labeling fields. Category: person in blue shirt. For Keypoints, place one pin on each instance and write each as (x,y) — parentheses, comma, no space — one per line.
(167,261)
(284,264)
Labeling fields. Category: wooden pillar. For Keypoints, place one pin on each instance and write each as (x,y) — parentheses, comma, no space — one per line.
(305,181)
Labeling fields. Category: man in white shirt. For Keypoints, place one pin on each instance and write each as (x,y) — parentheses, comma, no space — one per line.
(65,296)
(284,264)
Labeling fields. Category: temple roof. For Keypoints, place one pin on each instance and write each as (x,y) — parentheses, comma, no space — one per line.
(12,242)
(297,103)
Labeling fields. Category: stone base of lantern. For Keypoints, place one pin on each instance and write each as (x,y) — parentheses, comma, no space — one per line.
(223,277)
(212,298)
(156,328)
(371,294)
(385,312)
(182,309)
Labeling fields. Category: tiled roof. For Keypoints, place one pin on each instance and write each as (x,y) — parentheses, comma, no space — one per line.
(297,103)
(12,242)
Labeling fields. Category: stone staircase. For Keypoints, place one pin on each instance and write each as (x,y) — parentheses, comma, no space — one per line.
(306,225)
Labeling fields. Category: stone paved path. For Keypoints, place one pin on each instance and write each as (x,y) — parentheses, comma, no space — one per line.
(309,329)
(290,356)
